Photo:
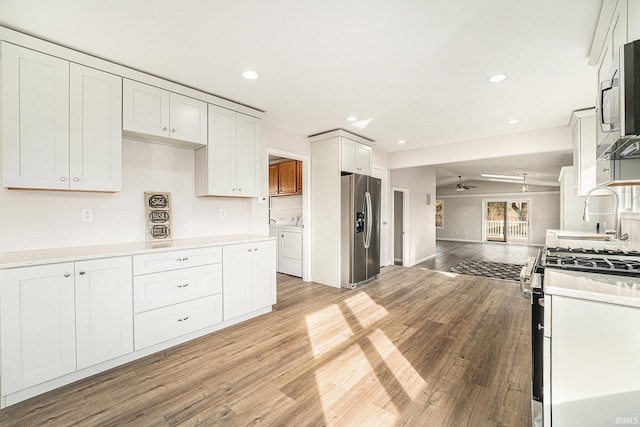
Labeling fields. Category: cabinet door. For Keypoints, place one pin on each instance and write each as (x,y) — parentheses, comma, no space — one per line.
(95,148)
(594,371)
(273,180)
(287,178)
(37,325)
(298,177)
(236,280)
(35,119)
(188,119)
(349,149)
(263,274)
(104,310)
(363,159)
(145,109)
(249,142)
(221,152)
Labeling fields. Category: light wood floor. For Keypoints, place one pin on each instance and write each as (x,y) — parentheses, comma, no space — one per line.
(414,348)
(449,254)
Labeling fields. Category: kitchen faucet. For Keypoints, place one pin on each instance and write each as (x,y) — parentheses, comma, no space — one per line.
(616,213)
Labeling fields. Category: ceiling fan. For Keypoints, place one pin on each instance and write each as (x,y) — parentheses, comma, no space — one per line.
(460,186)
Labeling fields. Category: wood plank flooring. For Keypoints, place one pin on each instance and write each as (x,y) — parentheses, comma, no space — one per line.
(413,348)
(449,254)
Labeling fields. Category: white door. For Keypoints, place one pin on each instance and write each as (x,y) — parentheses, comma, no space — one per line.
(188,119)
(35,119)
(95,148)
(145,109)
(221,152)
(236,280)
(104,310)
(37,325)
(263,274)
(248,156)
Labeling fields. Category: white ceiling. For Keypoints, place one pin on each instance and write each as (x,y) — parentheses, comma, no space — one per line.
(416,69)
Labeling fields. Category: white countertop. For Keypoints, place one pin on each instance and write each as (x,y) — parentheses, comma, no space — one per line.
(621,290)
(55,255)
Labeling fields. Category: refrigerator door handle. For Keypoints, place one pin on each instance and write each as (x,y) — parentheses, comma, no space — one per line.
(368,219)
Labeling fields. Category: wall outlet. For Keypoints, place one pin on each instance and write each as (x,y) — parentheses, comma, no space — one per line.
(87,215)
(223,214)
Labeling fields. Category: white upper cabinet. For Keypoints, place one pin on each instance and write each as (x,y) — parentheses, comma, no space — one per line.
(157,115)
(95,148)
(230,164)
(583,126)
(35,119)
(61,124)
(356,157)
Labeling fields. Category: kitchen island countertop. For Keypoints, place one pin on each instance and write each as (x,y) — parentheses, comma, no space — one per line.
(79,253)
(621,290)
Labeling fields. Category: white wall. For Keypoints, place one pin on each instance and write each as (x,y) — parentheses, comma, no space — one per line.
(50,219)
(420,181)
(538,141)
(463,210)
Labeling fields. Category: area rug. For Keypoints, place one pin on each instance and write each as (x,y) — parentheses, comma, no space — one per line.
(497,270)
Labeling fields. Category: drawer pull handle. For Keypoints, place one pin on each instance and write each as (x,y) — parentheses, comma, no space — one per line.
(82,273)
(184,319)
(183,286)
(183,259)
(67,274)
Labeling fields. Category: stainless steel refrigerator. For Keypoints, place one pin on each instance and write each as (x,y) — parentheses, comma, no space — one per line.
(360,229)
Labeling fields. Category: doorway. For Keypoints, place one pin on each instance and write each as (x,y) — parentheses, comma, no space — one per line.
(291,208)
(400,213)
(506,221)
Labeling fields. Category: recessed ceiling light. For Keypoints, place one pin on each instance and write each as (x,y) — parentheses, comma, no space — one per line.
(513,121)
(402,141)
(497,78)
(352,118)
(250,74)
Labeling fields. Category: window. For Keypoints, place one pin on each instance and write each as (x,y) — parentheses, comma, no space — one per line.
(439,214)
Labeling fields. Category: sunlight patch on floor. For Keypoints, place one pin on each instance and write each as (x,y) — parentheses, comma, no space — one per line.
(444,273)
(367,312)
(327,329)
(341,384)
(408,377)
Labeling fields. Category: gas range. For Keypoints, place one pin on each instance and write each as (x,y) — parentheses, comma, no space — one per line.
(592,260)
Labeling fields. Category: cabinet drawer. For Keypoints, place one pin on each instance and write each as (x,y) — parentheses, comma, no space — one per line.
(173,260)
(155,326)
(170,287)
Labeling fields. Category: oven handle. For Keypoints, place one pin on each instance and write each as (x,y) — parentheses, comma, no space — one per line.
(525,277)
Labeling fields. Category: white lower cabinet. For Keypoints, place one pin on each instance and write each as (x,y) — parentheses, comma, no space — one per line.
(37,326)
(177,301)
(594,372)
(62,317)
(104,310)
(249,281)
(66,321)
(169,322)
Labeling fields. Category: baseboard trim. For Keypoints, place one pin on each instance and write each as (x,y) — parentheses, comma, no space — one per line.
(423,260)
(461,240)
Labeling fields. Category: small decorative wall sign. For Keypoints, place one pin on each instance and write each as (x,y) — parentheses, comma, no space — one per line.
(158,215)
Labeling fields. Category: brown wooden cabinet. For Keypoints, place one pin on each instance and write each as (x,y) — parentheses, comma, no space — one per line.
(285,178)
(273,180)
